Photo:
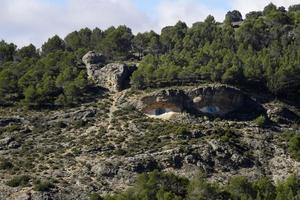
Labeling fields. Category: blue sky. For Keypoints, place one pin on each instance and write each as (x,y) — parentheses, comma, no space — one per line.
(34,21)
(150,5)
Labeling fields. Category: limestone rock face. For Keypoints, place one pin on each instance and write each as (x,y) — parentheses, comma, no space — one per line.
(211,100)
(93,61)
(114,76)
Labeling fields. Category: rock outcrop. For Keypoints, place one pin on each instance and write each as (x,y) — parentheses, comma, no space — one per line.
(8,121)
(93,62)
(219,101)
(114,76)
(281,114)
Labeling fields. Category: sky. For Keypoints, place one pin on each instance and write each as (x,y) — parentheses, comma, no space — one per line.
(34,21)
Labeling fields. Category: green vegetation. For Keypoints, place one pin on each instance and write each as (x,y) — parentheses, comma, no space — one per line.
(55,76)
(161,186)
(260,121)
(291,140)
(154,186)
(294,146)
(42,186)
(263,50)
(18,181)
(5,164)
(95,196)
(228,136)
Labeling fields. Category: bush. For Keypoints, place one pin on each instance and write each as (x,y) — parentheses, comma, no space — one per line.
(288,189)
(5,164)
(181,131)
(260,121)
(155,186)
(43,186)
(95,196)
(162,186)
(241,188)
(265,189)
(19,181)
(294,147)
(199,188)
(229,136)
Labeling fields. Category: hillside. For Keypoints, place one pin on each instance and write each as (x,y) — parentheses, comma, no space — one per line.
(102,146)
(203,112)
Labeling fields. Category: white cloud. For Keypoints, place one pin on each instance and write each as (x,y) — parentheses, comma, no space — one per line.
(189,11)
(245,6)
(33,21)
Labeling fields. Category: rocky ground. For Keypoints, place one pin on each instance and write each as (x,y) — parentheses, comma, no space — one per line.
(103,145)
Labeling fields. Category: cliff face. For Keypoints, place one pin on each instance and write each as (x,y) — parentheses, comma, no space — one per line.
(212,100)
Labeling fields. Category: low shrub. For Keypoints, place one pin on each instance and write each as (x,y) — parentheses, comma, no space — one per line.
(19,181)
(229,136)
(42,186)
(95,196)
(5,164)
(294,146)
(161,186)
(261,121)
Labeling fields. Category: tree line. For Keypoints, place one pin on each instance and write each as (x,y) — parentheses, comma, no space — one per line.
(260,50)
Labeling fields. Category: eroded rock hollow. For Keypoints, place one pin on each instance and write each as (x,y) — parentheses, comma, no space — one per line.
(212,100)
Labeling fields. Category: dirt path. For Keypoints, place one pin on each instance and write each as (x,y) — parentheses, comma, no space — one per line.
(116,97)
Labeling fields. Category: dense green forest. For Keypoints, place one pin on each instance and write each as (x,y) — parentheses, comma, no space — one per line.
(162,186)
(260,50)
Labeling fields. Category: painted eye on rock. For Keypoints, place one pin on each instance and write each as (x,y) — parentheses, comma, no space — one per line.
(210,109)
(160,111)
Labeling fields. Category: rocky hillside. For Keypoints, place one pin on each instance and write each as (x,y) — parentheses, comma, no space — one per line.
(101,146)
(220,99)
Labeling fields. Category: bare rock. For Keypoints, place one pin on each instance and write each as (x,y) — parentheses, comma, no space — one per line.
(282,114)
(93,62)
(8,121)
(105,169)
(114,76)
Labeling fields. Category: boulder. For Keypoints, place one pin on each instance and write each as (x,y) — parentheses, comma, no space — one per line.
(93,62)
(114,76)
(8,121)
(283,115)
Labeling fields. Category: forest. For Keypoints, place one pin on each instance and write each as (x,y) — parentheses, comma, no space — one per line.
(260,51)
